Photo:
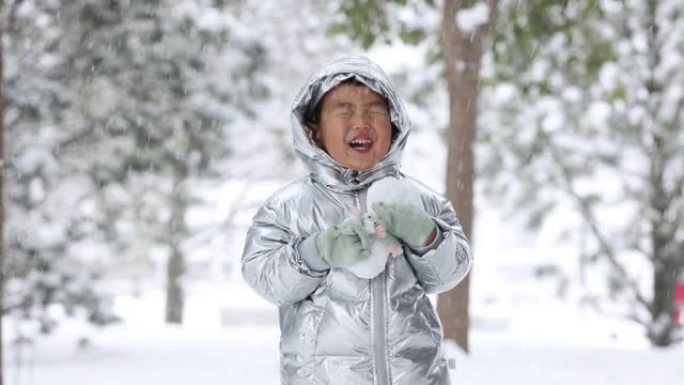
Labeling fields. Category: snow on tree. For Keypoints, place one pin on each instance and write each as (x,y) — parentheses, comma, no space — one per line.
(40,270)
(170,79)
(297,44)
(115,110)
(586,109)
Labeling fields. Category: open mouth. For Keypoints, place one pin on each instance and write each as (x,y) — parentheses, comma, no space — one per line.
(361,144)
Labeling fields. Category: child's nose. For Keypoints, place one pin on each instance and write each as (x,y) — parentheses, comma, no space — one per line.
(361,120)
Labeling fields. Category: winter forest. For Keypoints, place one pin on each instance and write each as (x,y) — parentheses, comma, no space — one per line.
(139,138)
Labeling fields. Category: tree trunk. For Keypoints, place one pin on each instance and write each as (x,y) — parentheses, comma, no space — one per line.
(664,249)
(2,193)
(177,231)
(174,288)
(462,57)
(666,268)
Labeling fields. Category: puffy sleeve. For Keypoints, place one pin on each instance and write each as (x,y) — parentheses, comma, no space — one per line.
(271,262)
(444,264)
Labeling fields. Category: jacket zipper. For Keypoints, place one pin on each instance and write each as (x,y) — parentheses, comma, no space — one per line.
(378,300)
(378,319)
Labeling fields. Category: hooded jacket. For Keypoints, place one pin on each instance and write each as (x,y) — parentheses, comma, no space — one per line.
(337,328)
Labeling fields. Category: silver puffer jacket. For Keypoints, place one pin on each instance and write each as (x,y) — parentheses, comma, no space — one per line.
(337,328)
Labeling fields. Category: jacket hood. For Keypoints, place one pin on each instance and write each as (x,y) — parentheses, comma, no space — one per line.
(324,169)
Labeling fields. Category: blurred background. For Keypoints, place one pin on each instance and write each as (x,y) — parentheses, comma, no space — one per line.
(138,138)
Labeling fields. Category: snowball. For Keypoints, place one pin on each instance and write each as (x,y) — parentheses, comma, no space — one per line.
(374,265)
(393,190)
(387,190)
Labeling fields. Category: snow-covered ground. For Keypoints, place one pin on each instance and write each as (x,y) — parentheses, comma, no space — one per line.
(230,336)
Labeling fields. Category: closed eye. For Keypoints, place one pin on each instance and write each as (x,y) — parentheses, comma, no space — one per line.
(377,108)
(343,109)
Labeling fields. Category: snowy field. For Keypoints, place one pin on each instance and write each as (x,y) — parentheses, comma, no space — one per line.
(230,337)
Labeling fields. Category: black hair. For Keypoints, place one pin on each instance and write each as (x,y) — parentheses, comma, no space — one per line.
(312,114)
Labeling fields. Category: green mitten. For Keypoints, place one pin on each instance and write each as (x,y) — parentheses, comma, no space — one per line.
(406,222)
(345,244)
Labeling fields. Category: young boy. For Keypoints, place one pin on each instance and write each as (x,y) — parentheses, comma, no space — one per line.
(350,128)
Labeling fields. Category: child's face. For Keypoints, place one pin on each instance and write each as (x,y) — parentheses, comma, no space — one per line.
(354,127)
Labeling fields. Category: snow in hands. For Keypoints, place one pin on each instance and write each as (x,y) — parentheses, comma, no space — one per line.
(387,190)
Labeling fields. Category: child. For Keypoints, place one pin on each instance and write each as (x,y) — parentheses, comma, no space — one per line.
(350,128)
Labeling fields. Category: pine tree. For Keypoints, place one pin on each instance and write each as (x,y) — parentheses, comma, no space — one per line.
(39,271)
(167,78)
(115,109)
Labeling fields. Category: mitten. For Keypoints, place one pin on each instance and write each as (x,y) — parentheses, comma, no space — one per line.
(344,244)
(383,246)
(406,222)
